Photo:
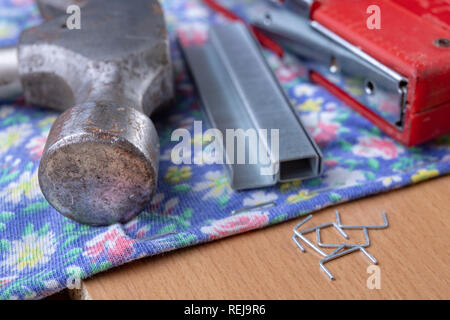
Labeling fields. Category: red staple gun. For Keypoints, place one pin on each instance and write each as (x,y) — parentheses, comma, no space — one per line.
(387,59)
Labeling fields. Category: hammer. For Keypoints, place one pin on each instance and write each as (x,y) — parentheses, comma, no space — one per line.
(100,162)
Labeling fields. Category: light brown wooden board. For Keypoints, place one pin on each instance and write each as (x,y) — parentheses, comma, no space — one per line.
(413,255)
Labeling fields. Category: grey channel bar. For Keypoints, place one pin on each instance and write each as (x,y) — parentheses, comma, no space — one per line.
(238,90)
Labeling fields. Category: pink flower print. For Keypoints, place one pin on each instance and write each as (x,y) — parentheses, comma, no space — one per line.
(377,147)
(36,147)
(324,133)
(235,224)
(113,244)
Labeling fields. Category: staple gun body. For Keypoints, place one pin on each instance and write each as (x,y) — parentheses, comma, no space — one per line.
(396,74)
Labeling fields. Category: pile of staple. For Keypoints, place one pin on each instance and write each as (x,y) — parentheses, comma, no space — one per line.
(341,249)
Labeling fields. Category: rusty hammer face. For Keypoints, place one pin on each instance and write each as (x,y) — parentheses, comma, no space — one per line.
(100,162)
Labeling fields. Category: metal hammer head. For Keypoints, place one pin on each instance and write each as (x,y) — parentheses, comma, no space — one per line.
(53,8)
(100,161)
(120,53)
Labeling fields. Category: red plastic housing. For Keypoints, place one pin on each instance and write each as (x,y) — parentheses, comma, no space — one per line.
(407,42)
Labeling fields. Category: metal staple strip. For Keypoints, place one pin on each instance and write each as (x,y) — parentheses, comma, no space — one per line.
(240,92)
(256,206)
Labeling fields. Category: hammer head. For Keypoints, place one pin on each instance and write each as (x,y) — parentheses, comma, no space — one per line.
(100,161)
(103,171)
(121,53)
(53,8)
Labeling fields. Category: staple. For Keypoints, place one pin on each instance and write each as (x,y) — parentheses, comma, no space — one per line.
(308,192)
(342,232)
(303,222)
(382,226)
(231,98)
(342,246)
(338,217)
(346,245)
(340,254)
(294,237)
(156,236)
(256,206)
(300,235)
(419,165)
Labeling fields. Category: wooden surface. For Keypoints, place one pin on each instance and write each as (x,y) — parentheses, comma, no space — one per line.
(413,255)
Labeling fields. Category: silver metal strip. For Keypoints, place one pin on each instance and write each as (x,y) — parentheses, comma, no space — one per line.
(10,84)
(331,35)
(301,7)
(365,79)
(238,90)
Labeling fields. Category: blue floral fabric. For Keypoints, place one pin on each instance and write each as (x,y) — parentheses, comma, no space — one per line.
(42,252)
